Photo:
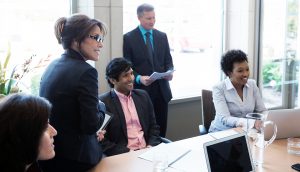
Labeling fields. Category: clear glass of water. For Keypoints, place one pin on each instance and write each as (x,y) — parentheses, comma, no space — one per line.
(160,162)
(293,146)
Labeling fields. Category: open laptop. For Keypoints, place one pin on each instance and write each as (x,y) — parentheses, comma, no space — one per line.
(287,121)
(229,154)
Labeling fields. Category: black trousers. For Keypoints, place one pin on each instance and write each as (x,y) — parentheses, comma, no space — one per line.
(160,108)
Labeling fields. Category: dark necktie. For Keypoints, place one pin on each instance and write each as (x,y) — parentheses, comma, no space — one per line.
(149,46)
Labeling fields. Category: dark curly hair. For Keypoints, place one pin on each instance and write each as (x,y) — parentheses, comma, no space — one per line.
(231,57)
(23,120)
(115,67)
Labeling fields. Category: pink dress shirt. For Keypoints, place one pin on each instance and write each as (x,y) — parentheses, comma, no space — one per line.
(135,132)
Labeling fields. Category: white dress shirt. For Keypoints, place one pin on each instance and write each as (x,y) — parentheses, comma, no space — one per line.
(231,110)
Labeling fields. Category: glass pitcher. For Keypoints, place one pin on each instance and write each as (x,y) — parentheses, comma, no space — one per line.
(257,137)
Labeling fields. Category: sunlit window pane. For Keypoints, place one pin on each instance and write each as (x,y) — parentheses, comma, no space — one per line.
(280,53)
(27,27)
(194,30)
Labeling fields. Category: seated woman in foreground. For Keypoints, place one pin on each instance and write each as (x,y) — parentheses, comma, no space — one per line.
(25,134)
(237,95)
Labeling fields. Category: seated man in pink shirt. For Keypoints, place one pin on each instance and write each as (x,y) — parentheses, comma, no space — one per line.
(133,125)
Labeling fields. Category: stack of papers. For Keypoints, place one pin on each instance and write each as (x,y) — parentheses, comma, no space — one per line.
(157,75)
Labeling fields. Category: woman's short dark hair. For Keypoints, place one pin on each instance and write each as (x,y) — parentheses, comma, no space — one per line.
(231,57)
(75,28)
(23,120)
(115,67)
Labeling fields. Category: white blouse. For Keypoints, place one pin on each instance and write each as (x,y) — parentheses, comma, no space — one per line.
(230,108)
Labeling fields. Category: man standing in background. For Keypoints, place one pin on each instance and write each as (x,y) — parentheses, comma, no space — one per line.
(148,50)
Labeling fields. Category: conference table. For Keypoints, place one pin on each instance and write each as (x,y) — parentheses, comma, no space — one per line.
(276,159)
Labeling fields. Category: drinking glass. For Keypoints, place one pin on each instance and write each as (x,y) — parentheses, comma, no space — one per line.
(293,146)
(160,162)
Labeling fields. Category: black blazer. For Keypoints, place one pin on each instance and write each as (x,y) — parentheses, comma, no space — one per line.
(116,140)
(71,85)
(135,50)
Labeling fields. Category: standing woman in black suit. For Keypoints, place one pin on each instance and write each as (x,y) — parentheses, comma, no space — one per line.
(71,85)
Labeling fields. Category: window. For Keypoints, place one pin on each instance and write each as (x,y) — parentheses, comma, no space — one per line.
(280,53)
(194,30)
(27,29)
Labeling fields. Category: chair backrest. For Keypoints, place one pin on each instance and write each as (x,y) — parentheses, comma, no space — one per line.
(208,108)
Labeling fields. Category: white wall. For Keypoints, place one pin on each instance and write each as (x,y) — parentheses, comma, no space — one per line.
(240,29)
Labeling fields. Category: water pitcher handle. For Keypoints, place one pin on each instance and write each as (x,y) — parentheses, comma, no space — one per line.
(274,132)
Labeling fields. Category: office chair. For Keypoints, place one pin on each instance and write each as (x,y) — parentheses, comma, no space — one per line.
(208,111)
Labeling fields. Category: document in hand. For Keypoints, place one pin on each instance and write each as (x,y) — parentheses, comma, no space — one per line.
(174,153)
(157,75)
(107,119)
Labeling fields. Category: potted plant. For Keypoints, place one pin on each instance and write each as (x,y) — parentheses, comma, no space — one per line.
(9,79)
(6,83)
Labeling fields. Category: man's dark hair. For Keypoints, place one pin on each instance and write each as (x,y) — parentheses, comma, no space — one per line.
(115,67)
(231,57)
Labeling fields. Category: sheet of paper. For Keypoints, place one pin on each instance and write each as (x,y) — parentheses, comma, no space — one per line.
(157,75)
(105,122)
(193,162)
(174,153)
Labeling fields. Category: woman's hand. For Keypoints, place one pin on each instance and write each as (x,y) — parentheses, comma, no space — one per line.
(100,135)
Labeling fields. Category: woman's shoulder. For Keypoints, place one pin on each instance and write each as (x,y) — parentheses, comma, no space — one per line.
(220,85)
(34,167)
(78,66)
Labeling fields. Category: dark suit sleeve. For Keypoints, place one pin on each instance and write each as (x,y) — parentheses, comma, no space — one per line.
(91,118)
(168,57)
(111,148)
(127,48)
(114,141)
(128,52)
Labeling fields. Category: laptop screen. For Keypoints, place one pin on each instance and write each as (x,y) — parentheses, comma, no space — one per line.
(229,154)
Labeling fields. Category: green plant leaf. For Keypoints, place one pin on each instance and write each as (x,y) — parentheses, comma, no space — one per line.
(7,56)
(11,82)
(2,88)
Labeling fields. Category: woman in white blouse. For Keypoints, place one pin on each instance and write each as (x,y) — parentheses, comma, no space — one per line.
(237,95)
